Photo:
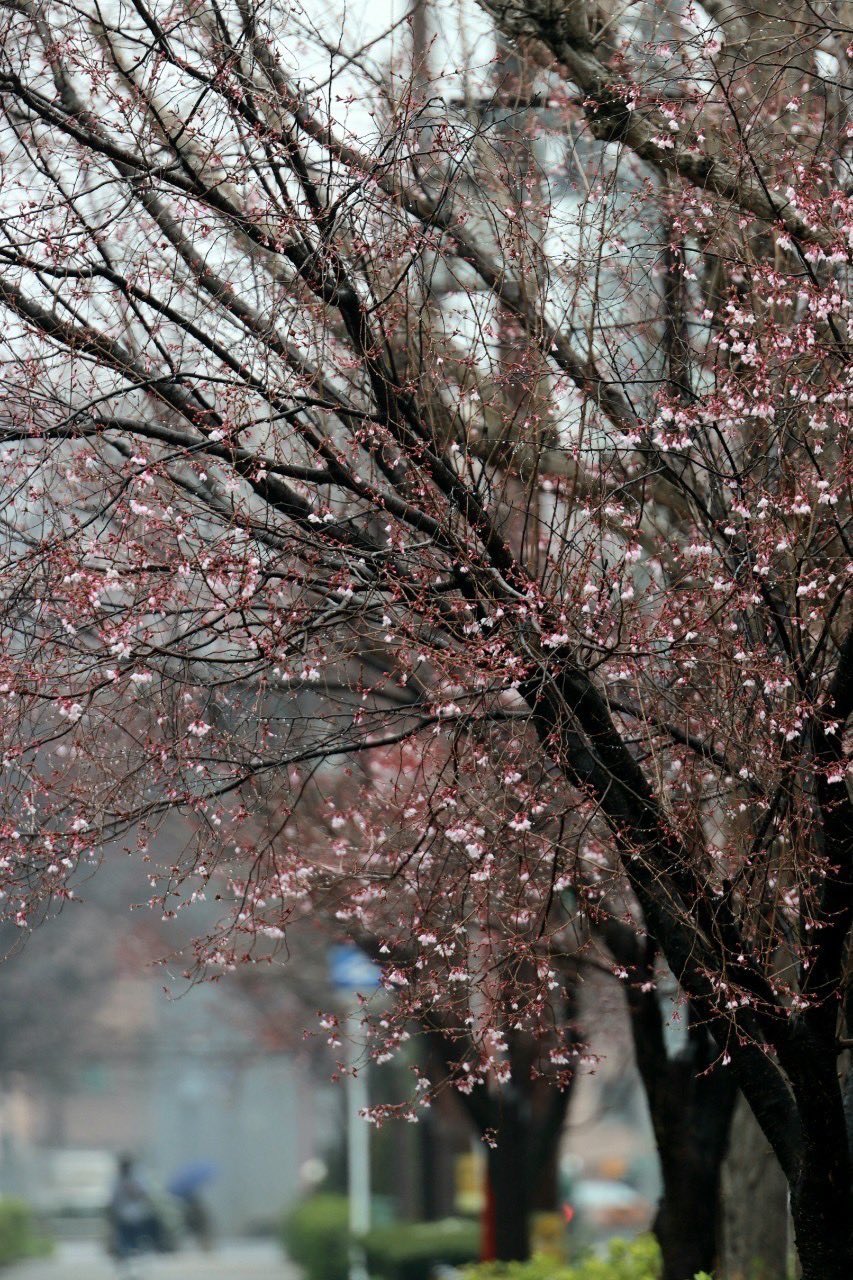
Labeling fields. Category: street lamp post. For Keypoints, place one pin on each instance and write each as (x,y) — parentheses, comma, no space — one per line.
(352,973)
(358,1152)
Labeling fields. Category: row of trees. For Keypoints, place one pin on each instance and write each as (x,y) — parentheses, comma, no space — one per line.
(460,441)
(522,1115)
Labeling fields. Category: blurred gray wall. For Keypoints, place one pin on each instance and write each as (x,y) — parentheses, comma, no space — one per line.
(258,1117)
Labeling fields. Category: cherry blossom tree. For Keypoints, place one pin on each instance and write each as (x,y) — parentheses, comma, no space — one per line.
(494,431)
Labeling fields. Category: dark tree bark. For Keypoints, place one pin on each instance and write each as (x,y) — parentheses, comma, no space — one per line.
(691,1116)
(522,1166)
(691,1103)
(428,1161)
(692,1127)
(508,1165)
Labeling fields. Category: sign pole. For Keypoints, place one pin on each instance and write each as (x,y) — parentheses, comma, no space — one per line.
(358,1153)
(351,971)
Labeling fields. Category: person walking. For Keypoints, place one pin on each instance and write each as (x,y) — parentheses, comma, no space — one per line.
(186,1186)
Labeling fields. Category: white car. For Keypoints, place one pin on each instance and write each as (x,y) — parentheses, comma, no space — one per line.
(601,1208)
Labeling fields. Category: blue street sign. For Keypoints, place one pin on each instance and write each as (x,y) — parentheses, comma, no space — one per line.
(351,970)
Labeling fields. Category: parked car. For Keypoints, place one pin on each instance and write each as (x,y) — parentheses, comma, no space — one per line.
(597,1208)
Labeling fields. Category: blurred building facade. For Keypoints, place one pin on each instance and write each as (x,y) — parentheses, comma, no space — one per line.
(171,1081)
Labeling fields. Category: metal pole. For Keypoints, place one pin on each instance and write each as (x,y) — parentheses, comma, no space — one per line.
(358,1153)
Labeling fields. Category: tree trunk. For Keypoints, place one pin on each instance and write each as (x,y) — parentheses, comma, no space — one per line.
(545,1179)
(824,1246)
(692,1122)
(823,1221)
(687,1219)
(428,1164)
(821,1191)
(754,1204)
(507,1164)
(691,1101)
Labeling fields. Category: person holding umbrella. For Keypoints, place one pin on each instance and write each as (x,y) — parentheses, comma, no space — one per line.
(186,1186)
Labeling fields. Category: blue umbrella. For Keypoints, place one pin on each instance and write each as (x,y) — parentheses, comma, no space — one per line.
(192,1177)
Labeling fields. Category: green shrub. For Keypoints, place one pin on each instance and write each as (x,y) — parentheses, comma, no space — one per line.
(411,1250)
(625,1260)
(315,1235)
(19,1236)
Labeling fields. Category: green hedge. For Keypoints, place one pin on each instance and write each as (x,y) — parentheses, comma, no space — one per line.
(625,1260)
(315,1236)
(19,1235)
(412,1250)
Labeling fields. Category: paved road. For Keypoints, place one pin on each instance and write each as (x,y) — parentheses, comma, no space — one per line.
(229,1262)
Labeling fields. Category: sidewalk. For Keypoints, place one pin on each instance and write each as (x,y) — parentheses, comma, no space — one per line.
(234,1261)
